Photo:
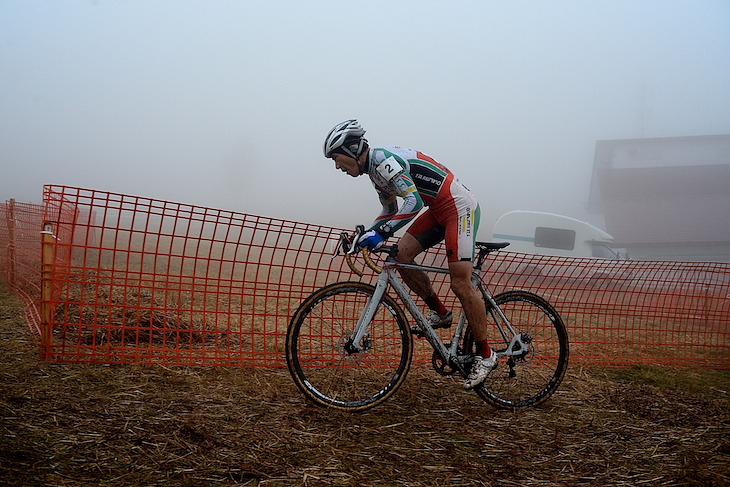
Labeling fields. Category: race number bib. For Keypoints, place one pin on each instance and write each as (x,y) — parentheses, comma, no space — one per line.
(389,169)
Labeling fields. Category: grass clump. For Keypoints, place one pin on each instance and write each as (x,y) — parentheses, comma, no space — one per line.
(74,425)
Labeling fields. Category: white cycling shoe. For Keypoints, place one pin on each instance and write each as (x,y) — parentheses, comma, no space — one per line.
(481,370)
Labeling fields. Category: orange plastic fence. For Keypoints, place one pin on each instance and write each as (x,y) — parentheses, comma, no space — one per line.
(20,255)
(138,280)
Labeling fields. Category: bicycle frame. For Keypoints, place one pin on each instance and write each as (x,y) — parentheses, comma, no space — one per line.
(449,354)
(537,332)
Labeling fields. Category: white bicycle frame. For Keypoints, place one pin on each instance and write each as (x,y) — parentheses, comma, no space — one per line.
(449,355)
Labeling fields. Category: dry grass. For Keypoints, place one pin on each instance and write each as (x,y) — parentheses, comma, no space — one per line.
(80,425)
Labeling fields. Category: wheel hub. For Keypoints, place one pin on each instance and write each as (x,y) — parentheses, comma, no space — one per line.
(349,352)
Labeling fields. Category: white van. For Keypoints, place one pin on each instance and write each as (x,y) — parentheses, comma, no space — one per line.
(535,232)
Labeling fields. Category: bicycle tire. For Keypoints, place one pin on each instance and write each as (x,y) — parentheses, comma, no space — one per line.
(533,378)
(319,362)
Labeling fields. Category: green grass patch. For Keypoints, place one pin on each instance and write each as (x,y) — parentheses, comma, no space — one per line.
(708,383)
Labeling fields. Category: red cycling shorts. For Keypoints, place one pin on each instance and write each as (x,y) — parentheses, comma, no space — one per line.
(454,217)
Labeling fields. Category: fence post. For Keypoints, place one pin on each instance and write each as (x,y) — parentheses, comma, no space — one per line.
(46,291)
(11,243)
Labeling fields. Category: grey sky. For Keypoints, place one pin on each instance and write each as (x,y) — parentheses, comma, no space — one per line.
(226,104)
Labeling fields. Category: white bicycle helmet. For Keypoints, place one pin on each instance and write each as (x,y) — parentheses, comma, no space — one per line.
(346,138)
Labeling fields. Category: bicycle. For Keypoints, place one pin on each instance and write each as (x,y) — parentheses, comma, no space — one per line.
(349,345)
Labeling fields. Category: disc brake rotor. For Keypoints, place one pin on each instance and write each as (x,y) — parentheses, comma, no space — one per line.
(344,345)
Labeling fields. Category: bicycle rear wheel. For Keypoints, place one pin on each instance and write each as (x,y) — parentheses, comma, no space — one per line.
(529,379)
(317,348)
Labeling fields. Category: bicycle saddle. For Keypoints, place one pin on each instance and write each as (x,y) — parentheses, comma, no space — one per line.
(491,246)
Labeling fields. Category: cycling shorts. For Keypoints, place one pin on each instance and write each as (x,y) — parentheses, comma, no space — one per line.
(454,217)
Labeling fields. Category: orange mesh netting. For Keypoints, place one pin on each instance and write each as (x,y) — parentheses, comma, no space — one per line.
(20,255)
(138,280)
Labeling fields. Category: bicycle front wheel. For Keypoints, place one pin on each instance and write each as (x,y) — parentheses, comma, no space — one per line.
(319,350)
(532,377)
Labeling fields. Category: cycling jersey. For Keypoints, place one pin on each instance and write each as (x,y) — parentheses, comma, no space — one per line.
(453,211)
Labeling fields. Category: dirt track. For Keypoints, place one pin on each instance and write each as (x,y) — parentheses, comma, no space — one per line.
(80,425)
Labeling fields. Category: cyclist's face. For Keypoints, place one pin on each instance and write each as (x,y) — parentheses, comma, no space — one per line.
(346,164)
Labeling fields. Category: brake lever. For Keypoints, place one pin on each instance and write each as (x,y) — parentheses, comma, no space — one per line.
(359,230)
(347,244)
(341,244)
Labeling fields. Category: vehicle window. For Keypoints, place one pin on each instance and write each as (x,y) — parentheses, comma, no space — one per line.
(603,252)
(555,238)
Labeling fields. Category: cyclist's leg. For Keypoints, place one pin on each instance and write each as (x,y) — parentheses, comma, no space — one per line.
(460,218)
(460,243)
(419,237)
(471,300)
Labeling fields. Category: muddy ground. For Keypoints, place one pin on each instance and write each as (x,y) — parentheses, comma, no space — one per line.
(81,425)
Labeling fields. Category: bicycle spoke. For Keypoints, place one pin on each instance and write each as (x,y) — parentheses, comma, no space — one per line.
(320,356)
(530,378)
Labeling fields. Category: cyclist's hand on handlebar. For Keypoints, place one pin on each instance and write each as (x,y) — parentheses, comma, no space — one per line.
(371,239)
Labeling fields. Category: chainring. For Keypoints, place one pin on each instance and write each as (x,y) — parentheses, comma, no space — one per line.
(441,367)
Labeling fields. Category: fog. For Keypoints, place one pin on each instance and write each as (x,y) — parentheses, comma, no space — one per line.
(226,104)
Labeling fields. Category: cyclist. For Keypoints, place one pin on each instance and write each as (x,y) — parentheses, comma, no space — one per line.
(452,214)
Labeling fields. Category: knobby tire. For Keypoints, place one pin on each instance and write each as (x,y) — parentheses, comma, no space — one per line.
(317,354)
(533,378)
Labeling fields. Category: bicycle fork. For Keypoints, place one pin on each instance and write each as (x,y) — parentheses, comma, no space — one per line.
(358,341)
